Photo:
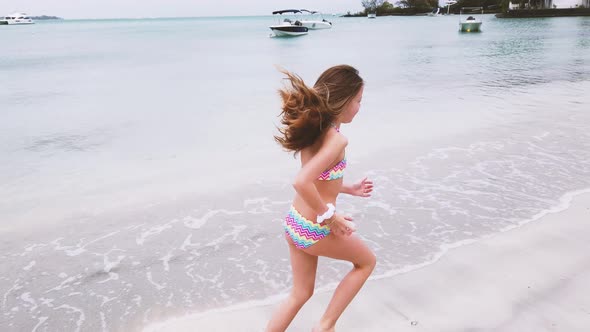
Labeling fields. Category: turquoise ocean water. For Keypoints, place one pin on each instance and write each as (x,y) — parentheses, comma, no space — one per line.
(139,179)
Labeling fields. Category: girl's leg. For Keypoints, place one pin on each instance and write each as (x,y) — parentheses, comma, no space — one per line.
(304,268)
(348,248)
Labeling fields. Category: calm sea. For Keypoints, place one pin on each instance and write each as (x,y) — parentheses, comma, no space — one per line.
(139,179)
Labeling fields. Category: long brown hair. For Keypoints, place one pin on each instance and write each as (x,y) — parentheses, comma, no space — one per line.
(308,112)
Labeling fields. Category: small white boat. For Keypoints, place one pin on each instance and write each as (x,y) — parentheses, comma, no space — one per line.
(372,15)
(316,21)
(287,27)
(17,18)
(469,23)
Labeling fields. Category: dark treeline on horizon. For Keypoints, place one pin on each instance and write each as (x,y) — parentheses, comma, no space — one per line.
(413,7)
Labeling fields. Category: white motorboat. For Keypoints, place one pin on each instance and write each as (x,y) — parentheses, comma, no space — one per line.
(372,15)
(316,20)
(17,18)
(470,23)
(287,27)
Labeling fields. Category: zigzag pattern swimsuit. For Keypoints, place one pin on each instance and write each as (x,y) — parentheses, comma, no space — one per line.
(302,231)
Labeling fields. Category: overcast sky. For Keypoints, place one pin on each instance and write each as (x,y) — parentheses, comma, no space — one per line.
(169,8)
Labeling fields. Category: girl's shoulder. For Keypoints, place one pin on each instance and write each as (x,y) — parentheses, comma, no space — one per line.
(331,139)
(334,137)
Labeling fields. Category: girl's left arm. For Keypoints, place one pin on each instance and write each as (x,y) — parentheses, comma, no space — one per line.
(362,188)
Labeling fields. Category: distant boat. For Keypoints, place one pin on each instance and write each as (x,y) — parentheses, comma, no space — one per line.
(16,18)
(315,23)
(372,15)
(470,24)
(288,27)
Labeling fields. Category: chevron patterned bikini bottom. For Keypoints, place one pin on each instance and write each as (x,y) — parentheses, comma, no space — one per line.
(304,232)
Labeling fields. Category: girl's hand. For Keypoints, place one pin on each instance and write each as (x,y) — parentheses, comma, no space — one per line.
(363,188)
(341,225)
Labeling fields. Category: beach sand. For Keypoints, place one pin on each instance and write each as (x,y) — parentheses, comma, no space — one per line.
(531,278)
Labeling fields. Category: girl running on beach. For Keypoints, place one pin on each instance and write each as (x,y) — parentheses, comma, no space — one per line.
(311,119)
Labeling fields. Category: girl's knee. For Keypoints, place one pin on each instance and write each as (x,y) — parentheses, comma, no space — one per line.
(302,295)
(368,262)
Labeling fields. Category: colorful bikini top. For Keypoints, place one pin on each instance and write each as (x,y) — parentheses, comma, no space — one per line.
(337,171)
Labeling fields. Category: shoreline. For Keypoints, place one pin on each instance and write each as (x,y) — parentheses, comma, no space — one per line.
(532,276)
